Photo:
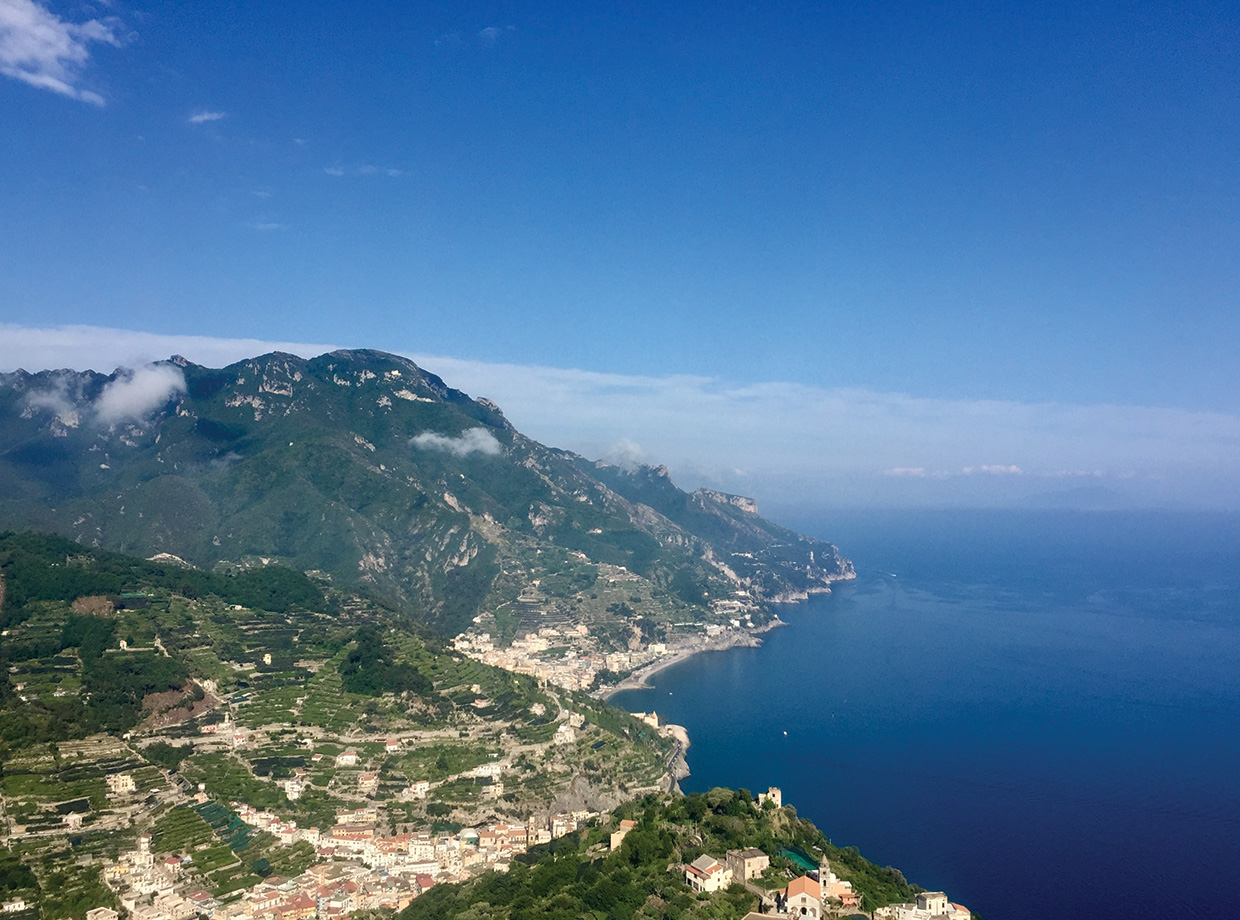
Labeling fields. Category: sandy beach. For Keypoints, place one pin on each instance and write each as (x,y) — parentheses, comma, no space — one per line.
(640,679)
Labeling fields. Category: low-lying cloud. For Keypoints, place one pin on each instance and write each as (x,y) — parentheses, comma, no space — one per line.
(473,441)
(135,395)
(58,401)
(786,443)
(102,349)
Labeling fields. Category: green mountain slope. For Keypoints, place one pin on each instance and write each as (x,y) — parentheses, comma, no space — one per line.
(94,642)
(364,467)
(579,876)
(114,667)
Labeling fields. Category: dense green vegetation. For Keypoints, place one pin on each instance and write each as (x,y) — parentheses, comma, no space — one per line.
(43,567)
(370,668)
(577,877)
(318,464)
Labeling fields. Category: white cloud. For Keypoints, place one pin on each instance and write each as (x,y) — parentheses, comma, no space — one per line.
(491,34)
(796,443)
(799,443)
(103,349)
(993,470)
(366,169)
(134,395)
(203,117)
(626,453)
(475,440)
(57,401)
(43,50)
(267,226)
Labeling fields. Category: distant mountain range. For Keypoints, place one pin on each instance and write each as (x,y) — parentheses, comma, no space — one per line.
(363,469)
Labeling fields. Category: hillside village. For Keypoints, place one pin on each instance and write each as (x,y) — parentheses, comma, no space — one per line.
(352,866)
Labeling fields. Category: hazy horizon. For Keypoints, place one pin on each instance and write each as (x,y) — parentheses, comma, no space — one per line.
(789,446)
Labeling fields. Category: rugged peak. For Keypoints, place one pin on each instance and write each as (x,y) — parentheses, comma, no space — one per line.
(723,498)
(499,420)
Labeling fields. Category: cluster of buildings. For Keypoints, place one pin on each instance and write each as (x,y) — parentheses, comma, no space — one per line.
(574,670)
(362,869)
(807,896)
(580,662)
(929,905)
(444,857)
(149,889)
(324,891)
(448,857)
(803,897)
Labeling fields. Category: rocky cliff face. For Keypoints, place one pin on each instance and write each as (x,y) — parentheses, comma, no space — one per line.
(748,505)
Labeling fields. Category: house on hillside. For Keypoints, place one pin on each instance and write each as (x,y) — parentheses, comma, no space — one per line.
(929,905)
(747,865)
(617,837)
(706,874)
(121,784)
(802,898)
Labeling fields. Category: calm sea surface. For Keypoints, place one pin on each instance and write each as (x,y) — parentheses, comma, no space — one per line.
(1038,713)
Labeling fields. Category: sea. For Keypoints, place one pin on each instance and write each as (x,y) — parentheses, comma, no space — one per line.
(1035,712)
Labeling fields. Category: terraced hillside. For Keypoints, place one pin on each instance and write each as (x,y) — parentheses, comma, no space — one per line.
(127,707)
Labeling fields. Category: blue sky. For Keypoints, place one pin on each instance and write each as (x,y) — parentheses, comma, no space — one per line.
(964,214)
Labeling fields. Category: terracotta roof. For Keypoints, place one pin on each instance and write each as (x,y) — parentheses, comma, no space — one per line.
(704,866)
(804,885)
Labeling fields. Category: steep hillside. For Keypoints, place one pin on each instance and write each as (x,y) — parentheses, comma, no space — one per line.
(586,875)
(363,467)
(125,684)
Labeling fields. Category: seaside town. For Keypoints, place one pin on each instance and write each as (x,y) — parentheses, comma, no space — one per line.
(357,868)
(557,646)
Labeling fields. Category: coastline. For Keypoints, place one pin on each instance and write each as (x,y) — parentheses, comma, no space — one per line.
(640,679)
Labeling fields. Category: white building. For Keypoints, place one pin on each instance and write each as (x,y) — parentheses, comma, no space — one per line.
(121,784)
(802,898)
(706,874)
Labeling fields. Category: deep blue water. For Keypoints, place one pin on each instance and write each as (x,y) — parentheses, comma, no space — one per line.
(1036,712)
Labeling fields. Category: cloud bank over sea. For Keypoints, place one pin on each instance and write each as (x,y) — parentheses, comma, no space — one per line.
(785,442)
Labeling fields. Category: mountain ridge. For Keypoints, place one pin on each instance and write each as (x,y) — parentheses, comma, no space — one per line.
(375,472)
